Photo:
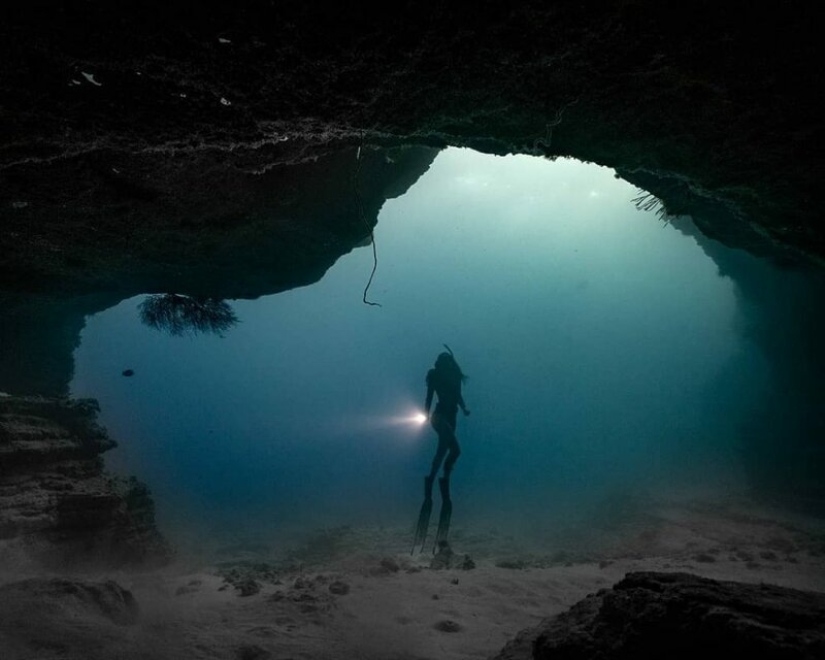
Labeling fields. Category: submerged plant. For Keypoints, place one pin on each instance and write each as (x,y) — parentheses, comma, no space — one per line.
(179,315)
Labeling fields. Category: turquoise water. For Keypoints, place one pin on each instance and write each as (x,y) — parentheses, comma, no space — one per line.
(593,334)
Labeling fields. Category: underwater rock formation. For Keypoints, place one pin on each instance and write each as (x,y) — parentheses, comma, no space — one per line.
(229,233)
(103,599)
(779,309)
(57,506)
(38,336)
(43,617)
(268,233)
(680,616)
(139,132)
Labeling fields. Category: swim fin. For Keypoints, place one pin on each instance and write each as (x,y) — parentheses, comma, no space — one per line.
(446,513)
(424,516)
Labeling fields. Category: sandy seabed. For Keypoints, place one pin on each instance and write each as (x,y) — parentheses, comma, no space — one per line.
(358,592)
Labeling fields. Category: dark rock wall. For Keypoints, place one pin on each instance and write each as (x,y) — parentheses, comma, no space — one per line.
(211,227)
(57,505)
(781,311)
(137,107)
(38,336)
(680,616)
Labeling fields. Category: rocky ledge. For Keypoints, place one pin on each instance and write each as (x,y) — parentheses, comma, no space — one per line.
(57,505)
(676,616)
(139,139)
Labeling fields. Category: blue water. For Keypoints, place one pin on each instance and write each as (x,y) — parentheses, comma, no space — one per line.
(592,334)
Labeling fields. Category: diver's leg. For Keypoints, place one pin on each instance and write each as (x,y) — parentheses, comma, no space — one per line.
(454,451)
(439,456)
(426,508)
(443,446)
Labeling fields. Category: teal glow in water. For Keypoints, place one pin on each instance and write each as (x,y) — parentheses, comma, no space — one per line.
(591,334)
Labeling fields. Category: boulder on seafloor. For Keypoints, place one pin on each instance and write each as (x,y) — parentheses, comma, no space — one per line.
(52,618)
(680,616)
(248,587)
(448,626)
(339,588)
(26,601)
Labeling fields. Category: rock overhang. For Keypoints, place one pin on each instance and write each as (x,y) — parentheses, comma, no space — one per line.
(153,124)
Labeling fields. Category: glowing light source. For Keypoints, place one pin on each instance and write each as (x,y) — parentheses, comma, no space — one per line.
(413,419)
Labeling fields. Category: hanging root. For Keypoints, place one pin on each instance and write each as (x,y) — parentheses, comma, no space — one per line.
(359,200)
(551,125)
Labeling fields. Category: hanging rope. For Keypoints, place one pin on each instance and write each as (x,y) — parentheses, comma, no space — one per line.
(360,203)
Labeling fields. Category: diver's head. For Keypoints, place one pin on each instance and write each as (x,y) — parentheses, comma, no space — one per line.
(445,361)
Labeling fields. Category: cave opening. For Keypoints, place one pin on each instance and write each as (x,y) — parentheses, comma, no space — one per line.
(606,341)
(643,397)
(182,240)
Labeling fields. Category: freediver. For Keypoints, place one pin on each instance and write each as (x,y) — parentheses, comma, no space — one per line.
(444,379)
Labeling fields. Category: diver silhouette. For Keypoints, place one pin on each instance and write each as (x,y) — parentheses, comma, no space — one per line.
(444,379)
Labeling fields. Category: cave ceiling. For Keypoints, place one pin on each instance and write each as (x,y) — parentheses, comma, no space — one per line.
(139,140)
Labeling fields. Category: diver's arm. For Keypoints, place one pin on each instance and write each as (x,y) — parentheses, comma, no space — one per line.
(429,401)
(463,405)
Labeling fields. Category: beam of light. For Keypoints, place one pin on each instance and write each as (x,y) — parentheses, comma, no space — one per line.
(409,423)
(411,420)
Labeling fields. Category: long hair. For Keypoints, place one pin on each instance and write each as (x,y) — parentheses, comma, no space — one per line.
(446,367)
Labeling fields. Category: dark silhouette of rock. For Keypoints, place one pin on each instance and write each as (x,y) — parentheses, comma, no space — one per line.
(267,232)
(448,626)
(680,617)
(51,599)
(51,618)
(248,587)
(339,588)
(57,506)
(164,113)
(38,335)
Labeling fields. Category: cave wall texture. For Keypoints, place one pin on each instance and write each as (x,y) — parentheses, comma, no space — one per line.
(128,127)
(57,505)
